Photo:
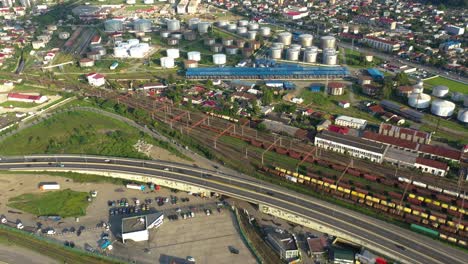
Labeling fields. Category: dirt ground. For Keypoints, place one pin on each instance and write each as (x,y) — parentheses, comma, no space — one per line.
(13,254)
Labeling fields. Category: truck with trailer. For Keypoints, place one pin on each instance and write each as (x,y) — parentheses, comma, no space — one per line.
(136,186)
(47,186)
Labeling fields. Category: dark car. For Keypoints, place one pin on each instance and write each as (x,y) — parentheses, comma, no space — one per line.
(233,250)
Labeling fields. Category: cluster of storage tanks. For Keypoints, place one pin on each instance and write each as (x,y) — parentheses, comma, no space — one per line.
(117,25)
(284,48)
(250,30)
(132,48)
(439,107)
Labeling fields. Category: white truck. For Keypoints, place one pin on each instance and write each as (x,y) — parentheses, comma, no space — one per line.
(49,186)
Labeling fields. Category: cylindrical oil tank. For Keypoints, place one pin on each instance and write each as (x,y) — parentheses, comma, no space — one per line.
(328,42)
(310,55)
(457,97)
(440,91)
(173,25)
(176,35)
(253,26)
(167,62)
(240,43)
(193,23)
(276,53)
(165,34)
(209,41)
(231,27)
(285,38)
(120,52)
(243,23)
(295,46)
(113,25)
(222,23)
(203,27)
(292,54)
(194,55)
(306,40)
(190,35)
(216,47)
(463,115)
(173,53)
(227,41)
(219,59)
(329,57)
(251,34)
(277,45)
(142,25)
(419,100)
(241,30)
(231,50)
(64,35)
(265,31)
(442,108)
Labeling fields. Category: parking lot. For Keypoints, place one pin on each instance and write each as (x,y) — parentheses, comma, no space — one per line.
(207,238)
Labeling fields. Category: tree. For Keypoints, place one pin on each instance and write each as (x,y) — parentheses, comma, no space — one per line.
(387,87)
(171,78)
(402,79)
(267,97)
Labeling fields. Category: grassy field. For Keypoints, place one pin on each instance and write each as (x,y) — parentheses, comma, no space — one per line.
(18,104)
(65,203)
(454,86)
(76,132)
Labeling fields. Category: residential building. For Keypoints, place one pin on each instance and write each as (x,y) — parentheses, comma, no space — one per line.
(381,43)
(432,166)
(85,62)
(96,79)
(27,98)
(335,88)
(317,245)
(371,90)
(284,243)
(454,30)
(405,133)
(351,145)
(352,122)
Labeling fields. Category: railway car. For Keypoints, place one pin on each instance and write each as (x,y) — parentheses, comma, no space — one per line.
(370,177)
(395,195)
(424,230)
(293,154)
(434,188)
(419,184)
(403,179)
(451,193)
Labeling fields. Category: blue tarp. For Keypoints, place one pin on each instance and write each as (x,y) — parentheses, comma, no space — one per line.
(375,74)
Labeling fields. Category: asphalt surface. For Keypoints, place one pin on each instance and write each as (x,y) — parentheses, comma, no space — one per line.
(388,239)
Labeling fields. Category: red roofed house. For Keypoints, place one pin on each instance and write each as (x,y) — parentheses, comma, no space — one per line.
(27,98)
(338,129)
(432,166)
(405,133)
(440,152)
(96,79)
(96,40)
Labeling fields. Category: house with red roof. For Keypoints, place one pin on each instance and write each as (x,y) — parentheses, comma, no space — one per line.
(432,166)
(27,98)
(96,79)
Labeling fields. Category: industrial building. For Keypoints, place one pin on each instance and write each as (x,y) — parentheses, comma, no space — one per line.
(354,146)
(136,228)
(284,243)
(351,122)
(278,72)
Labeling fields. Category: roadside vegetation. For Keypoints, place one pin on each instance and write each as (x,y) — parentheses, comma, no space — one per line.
(65,203)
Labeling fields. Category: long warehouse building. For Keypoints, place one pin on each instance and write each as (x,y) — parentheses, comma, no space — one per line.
(279,72)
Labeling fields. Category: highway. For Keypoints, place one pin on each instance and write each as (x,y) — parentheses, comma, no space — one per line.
(389,240)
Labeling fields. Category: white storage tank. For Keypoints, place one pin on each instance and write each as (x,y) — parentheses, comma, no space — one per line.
(292,54)
(193,23)
(276,53)
(232,50)
(216,48)
(113,25)
(194,55)
(442,108)
(457,97)
(306,40)
(328,42)
(64,35)
(265,31)
(295,46)
(251,35)
(219,59)
(329,57)
(277,45)
(176,35)
(137,51)
(120,52)
(463,115)
(241,30)
(310,55)
(253,26)
(227,41)
(285,38)
(142,25)
(165,34)
(231,27)
(173,25)
(209,41)
(222,23)
(440,91)
(419,100)
(243,23)
(203,27)
(167,62)
(173,53)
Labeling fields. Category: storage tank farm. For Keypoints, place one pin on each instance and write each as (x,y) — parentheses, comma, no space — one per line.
(219,59)
(194,55)
(113,25)
(463,115)
(329,56)
(440,91)
(142,25)
(253,26)
(419,100)
(173,25)
(310,54)
(285,38)
(193,23)
(276,52)
(173,53)
(231,27)
(251,35)
(306,40)
(328,42)
(442,108)
(241,30)
(292,54)
(203,27)
(265,31)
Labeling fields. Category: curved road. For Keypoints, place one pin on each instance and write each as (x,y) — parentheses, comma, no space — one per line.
(387,239)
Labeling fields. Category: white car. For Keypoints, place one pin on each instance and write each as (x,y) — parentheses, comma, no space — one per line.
(191,259)
(51,232)
(19,226)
